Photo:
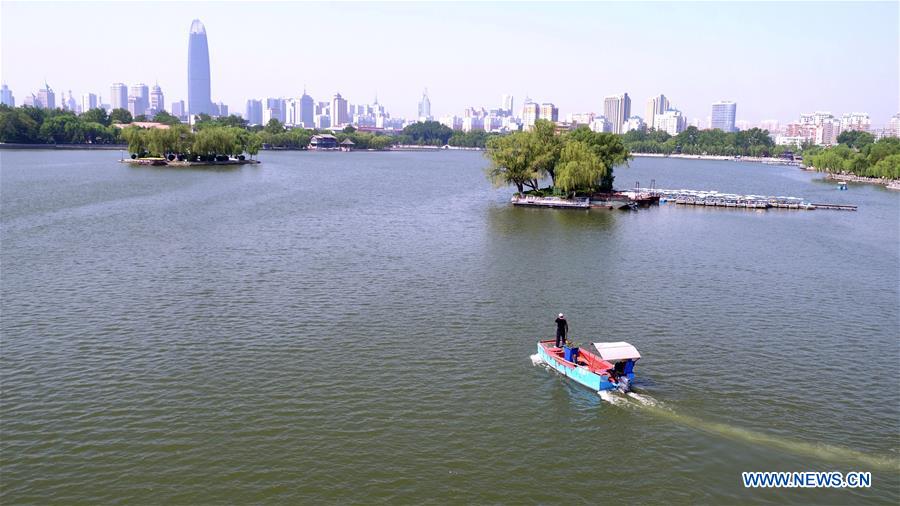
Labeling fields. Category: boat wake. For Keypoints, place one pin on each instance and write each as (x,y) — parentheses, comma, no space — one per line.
(536,359)
(826,452)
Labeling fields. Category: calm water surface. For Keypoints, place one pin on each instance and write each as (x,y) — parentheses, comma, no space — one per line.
(356,328)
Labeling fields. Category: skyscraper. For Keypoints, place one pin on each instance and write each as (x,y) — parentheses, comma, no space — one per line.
(88,102)
(254,112)
(307,110)
(506,105)
(118,94)
(531,112)
(157,100)
(199,96)
(723,114)
(6,96)
(140,94)
(549,112)
(425,107)
(617,108)
(339,114)
(70,104)
(178,110)
(45,98)
(656,105)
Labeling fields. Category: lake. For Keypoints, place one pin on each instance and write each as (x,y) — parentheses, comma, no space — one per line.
(356,328)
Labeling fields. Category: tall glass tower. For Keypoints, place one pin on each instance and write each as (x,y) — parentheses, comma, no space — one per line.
(723,114)
(199,100)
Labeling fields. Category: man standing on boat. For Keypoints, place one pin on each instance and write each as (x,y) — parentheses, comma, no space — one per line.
(562,328)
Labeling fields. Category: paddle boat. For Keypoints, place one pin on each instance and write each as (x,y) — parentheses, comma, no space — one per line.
(610,368)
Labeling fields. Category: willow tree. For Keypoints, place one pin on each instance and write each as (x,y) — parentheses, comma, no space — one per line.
(136,138)
(579,168)
(608,148)
(512,161)
(544,147)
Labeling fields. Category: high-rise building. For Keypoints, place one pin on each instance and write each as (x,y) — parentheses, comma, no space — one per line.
(157,100)
(339,113)
(616,109)
(6,96)
(633,123)
(656,105)
(856,121)
(118,93)
(178,110)
(531,112)
(600,124)
(549,112)
(138,99)
(771,125)
(672,122)
(88,102)
(277,109)
(69,103)
(45,98)
(506,105)
(254,111)
(893,129)
(220,109)
(321,121)
(452,122)
(307,111)
(580,118)
(723,116)
(425,107)
(199,95)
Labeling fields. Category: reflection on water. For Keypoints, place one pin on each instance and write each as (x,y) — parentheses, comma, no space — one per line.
(354,325)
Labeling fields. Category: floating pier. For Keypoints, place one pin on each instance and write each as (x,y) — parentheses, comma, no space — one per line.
(736,201)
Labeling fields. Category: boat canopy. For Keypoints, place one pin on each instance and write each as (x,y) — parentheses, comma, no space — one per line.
(614,352)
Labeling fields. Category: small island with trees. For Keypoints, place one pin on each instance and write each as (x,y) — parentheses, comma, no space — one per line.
(579,162)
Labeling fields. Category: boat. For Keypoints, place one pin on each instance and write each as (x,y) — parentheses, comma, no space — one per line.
(610,368)
(842,185)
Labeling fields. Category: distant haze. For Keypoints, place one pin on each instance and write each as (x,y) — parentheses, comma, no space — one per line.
(775,60)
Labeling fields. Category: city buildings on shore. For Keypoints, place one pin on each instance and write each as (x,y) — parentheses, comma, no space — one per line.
(425,107)
(671,121)
(723,116)
(617,109)
(658,104)
(6,96)
(303,112)
(89,101)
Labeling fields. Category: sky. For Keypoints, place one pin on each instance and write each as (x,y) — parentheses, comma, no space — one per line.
(774,59)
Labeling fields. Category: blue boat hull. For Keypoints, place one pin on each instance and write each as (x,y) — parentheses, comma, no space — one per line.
(579,374)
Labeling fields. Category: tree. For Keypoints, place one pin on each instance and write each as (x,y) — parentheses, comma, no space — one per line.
(855,139)
(120,116)
(428,132)
(544,147)
(511,161)
(579,167)
(136,138)
(166,118)
(274,126)
(348,129)
(253,145)
(608,148)
(17,126)
(96,115)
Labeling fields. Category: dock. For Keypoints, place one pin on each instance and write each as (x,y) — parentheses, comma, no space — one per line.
(711,198)
(554,202)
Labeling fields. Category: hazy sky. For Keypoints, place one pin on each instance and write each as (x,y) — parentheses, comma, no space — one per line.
(774,59)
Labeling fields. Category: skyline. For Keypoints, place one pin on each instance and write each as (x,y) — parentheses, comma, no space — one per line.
(261,61)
